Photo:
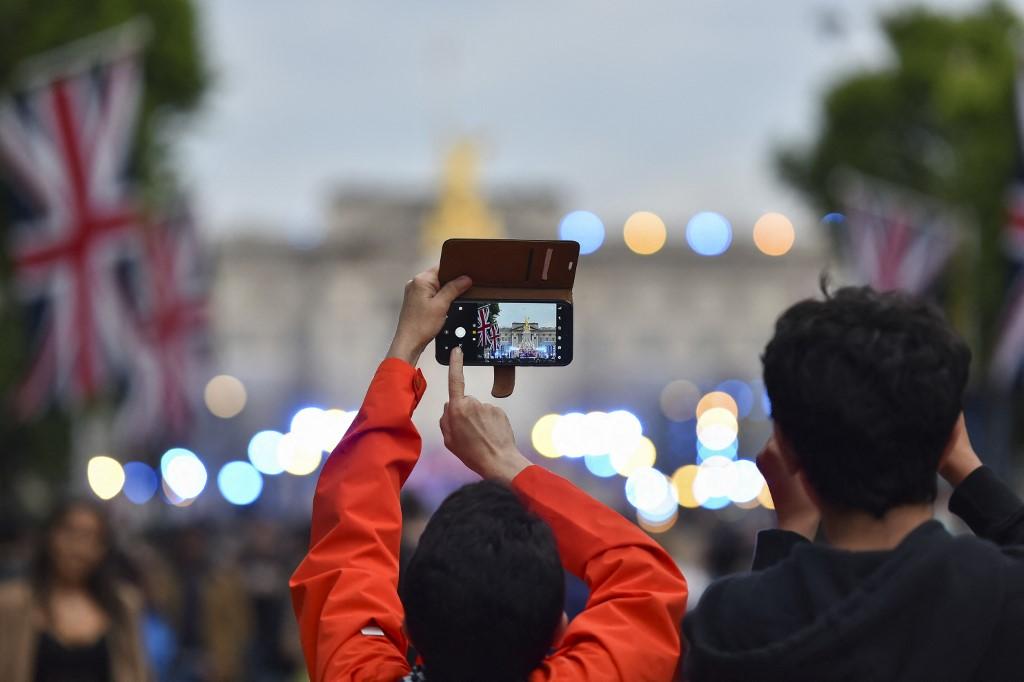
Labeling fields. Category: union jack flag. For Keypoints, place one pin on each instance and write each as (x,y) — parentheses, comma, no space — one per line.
(1008,351)
(896,240)
(170,334)
(487,331)
(65,144)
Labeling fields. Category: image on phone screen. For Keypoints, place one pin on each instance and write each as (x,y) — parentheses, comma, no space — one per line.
(508,332)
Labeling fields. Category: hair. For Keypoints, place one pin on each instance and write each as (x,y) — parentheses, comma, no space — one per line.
(866,387)
(102,584)
(484,590)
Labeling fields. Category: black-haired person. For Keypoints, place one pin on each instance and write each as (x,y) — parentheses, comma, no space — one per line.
(866,392)
(482,595)
(73,618)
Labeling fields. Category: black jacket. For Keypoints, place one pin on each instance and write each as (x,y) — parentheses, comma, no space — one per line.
(936,607)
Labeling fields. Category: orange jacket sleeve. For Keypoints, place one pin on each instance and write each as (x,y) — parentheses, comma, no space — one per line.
(630,627)
(345,591)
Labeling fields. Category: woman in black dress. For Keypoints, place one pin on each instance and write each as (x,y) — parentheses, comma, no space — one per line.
(72,619)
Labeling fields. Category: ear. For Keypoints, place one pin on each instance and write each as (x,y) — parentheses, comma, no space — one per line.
(792,464)
(789,459)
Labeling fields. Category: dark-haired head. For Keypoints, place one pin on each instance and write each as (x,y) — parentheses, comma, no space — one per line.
(865,389)
(483,592)
(75,549)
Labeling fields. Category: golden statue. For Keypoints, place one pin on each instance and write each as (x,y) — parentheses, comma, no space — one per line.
(461,210)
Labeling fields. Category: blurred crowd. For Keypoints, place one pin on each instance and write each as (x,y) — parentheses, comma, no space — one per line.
(204,601)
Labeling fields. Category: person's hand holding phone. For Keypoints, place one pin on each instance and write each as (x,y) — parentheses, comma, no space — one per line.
(424,308)
(477,433)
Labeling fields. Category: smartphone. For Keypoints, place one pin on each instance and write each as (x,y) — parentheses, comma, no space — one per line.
(519,333)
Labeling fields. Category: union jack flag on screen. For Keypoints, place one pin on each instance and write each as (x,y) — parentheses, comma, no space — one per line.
(894,239)
(65,143)
(487,331)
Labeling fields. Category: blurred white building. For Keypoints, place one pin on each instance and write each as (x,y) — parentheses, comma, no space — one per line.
(308,325)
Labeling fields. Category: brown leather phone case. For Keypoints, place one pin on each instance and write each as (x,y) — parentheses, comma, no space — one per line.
(511,270)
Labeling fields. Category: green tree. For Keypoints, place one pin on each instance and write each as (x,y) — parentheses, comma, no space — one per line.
(938,119)
(175,78)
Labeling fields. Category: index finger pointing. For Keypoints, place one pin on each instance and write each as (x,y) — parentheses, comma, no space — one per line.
(456,381)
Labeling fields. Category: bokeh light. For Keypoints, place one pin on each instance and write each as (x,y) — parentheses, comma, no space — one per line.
(225,396)
(749,481)
(623,430)
(666,508)
(647,489)
(542,435)
(765,498)
(596,433)
(307,425)
(333,426)
(105,476)
(583,227)
(774,234)
(656,526)
(716,479)
(298,456)
(717,399)
(709,233)
(240,483)
(183,472)
(628,461)
(644,233)
(682,481)
(833,218)
(569,435)
(741,393)
(263,452)
(600,465)
(729,452)
(140,482)
(717,428)
(679,400)
(172,497)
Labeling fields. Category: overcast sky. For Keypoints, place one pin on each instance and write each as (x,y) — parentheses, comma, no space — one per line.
(672,106)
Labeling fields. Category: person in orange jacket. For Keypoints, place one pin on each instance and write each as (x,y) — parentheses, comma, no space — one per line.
(482,596)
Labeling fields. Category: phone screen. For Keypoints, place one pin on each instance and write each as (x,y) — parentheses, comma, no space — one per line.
(535,333)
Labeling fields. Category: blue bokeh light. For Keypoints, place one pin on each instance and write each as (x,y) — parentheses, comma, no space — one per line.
(140,482)
(263,452)
(709,233)
(833,218)
(731,452)
(741,393)
(600,465)
(716,502)
(240,483)
(583,227)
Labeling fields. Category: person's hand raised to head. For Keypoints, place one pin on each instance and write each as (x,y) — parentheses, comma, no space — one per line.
(424,308)
(477,433)
(959,460)
(794,508)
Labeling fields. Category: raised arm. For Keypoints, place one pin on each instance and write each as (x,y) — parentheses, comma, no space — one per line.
(797,517)
(630,627)
(345,590)
(991,509)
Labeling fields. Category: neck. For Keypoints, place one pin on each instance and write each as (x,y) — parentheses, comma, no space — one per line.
(861,532)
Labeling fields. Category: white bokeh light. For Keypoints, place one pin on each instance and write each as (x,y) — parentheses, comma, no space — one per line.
(569,435)
(647,489)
